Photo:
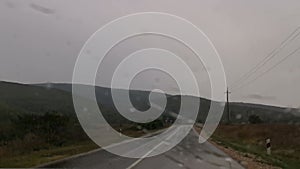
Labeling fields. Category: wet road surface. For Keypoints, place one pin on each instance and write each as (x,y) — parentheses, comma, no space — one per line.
(189,154)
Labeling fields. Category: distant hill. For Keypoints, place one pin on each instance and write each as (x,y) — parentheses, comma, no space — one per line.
(240,112)
(269,114)
(103,94)
(17,99)
(23,98)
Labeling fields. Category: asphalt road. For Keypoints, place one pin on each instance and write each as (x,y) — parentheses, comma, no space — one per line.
(189,154)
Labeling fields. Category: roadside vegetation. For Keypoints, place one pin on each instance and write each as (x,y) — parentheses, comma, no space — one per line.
(33,139)
(250,139)
(39,125)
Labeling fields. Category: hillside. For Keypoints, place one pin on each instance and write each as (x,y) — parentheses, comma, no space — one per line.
(240,112)
(37,99)
(32,99)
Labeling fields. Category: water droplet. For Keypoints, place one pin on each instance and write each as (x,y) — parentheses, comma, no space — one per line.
(132,110)
(41,9)
(88,52)
(180,164)
(238,116)
(228,159)
(49,86)
(199,159)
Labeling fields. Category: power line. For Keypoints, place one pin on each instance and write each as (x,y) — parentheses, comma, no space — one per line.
(270,56)
(268,70)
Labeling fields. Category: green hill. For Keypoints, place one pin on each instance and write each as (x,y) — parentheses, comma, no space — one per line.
(240,112)
(32,99)
(16,99)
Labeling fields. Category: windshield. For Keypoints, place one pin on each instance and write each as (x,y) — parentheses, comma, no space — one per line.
(149,84)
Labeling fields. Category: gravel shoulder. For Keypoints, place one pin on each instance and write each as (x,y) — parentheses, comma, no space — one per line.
(248,161)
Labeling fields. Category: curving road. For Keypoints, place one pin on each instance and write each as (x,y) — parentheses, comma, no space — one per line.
(189,154)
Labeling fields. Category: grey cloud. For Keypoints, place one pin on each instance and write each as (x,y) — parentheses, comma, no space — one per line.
(9,4)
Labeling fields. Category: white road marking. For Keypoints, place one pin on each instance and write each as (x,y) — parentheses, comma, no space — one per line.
(142,158)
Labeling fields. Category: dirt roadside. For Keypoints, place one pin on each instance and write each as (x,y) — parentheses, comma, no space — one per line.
(248,161)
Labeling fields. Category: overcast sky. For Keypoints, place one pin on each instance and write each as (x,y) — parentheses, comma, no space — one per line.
(40,40)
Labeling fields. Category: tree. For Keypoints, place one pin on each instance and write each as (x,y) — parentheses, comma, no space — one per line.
(51,127)
(254,119)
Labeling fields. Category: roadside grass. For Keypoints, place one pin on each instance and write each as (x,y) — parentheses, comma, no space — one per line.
(11,157)
(250,140)
(44,156)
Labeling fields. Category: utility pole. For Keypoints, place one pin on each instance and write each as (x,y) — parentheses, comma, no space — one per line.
(228,108)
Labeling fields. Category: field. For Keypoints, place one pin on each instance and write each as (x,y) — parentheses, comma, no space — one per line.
(33,151)
(12,159)
(250,140)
